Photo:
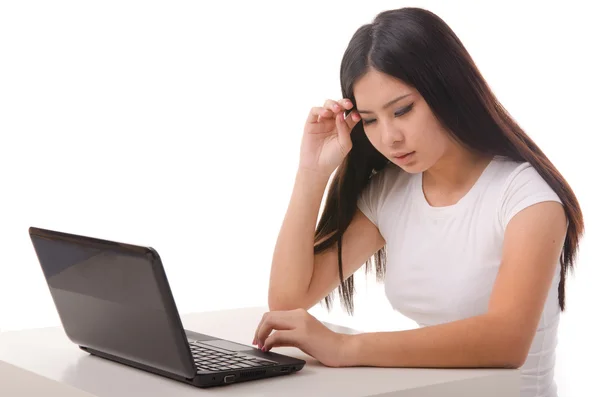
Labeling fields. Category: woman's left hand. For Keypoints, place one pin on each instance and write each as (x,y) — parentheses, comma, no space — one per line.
(299,329)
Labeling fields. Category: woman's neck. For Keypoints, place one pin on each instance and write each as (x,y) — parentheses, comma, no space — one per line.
(453,175)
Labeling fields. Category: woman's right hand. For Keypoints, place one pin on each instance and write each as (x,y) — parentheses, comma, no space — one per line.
(326,140)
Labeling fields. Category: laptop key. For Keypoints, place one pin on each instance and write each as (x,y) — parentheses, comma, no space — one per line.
(259,359)
(252,364)
(266,363)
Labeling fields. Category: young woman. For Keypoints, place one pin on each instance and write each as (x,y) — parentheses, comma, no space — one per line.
(469,224)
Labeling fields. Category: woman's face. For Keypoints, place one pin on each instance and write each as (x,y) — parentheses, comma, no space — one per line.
(399,123)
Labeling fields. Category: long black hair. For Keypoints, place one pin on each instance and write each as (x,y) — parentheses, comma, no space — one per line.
(419,48)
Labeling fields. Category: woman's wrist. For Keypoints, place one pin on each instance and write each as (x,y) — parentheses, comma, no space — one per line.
(307,174)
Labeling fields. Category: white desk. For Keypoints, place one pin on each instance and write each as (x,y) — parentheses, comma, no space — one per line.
(18,382)
(49,353)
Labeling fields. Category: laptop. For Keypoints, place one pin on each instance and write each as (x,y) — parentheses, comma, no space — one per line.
(114,301)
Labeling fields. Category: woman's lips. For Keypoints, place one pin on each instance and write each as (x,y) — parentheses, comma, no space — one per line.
(405,158)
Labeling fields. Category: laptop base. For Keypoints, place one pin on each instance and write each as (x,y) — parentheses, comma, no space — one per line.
(212,379)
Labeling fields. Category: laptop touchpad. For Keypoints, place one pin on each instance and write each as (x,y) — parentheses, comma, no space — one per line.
(223,344)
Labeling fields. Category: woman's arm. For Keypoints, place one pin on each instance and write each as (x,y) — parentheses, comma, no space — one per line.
(499,338)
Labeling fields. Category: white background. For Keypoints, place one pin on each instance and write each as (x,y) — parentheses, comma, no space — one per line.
(177,125)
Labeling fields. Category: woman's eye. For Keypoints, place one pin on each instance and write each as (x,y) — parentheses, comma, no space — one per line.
(403,110)
(398,113)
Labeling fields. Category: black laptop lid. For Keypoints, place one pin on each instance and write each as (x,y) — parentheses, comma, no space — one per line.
(114,298)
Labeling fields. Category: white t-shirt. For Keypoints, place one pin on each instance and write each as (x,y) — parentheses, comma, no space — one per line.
(442,261)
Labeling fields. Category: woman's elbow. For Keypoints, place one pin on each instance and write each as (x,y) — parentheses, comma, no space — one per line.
(514,351)
(517,359)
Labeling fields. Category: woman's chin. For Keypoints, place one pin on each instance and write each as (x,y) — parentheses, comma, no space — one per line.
(410,165)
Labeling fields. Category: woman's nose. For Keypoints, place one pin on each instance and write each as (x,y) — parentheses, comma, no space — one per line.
(390,135)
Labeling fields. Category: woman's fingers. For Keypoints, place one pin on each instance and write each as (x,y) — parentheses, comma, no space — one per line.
(331,109)
(273,321)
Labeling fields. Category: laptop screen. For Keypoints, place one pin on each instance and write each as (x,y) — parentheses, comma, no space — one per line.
(114,299)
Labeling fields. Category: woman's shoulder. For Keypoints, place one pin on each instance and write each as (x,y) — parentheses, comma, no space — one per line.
(518,185)
(510,173)
(390,181)
(505,166)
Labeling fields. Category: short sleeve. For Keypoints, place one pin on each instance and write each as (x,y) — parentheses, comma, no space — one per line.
(524,188)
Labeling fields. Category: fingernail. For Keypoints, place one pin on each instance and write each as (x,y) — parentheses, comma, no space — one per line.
(264,349)
(336,107)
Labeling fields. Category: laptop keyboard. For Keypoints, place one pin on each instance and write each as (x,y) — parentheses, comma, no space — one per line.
(210,358)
